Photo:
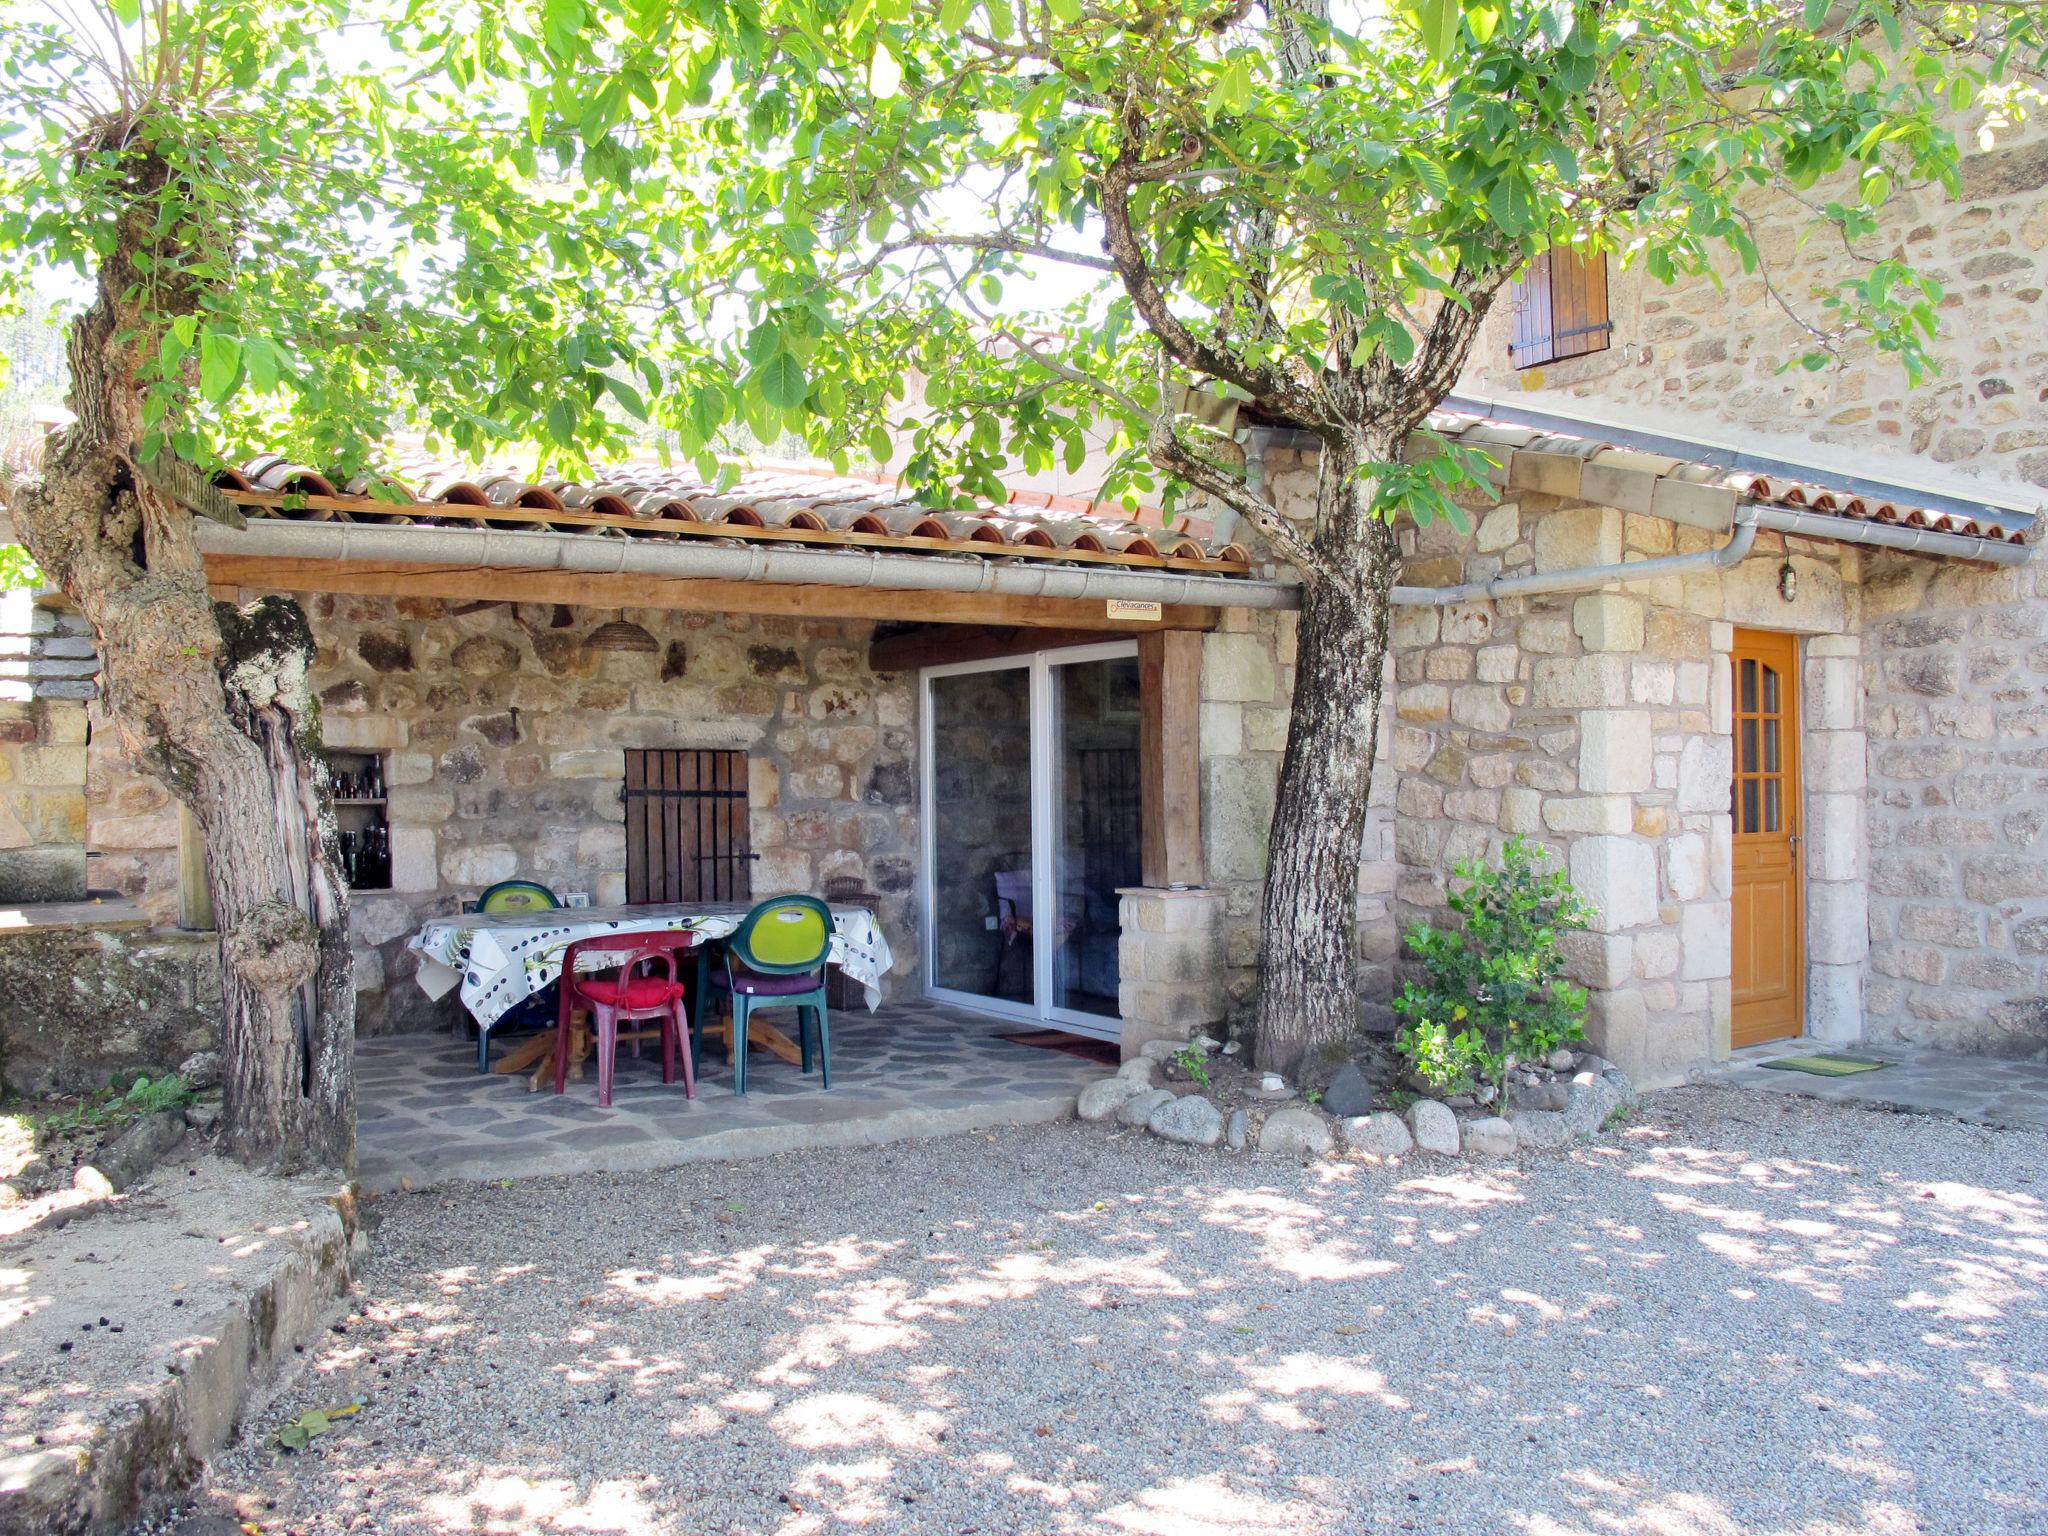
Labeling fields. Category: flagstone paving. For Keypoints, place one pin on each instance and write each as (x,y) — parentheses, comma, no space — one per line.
(1987,1089)
(426,1116)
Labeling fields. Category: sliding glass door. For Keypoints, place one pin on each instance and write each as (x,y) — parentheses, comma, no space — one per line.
(1031,827)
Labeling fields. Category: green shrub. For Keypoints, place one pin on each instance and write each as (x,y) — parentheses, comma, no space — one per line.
(144,1097)
(1495,992)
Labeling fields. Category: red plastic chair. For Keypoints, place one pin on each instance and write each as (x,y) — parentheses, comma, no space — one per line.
(628,996)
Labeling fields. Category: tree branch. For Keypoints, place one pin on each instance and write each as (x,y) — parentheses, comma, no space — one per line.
(1266,385)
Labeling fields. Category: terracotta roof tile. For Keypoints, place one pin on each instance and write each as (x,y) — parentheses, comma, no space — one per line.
(1767,490)
(780,501)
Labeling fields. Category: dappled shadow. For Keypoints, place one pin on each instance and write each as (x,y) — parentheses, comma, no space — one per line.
(1743,1315)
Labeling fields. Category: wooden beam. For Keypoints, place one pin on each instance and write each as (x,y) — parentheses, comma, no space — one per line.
(932,644)
(379,578)
(1170,757)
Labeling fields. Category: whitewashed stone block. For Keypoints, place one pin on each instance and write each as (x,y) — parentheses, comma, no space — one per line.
(414,865)
(1614,751)
(1609,621)
(1580,682)
(1618,876)
(1837,922)
(1706,930)
(1688,877)
(1705,767)
(1594,814)
(1578,536)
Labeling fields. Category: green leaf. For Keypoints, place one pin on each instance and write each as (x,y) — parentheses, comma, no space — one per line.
(1438,21)
(1068,11)
(781,382)
(627,396)
(953,14)
(1511,205)
(220,363)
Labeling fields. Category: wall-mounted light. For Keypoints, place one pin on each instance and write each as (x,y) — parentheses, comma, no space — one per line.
(1788,583)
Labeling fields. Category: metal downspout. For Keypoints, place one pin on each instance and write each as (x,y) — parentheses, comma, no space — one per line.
(1740,539)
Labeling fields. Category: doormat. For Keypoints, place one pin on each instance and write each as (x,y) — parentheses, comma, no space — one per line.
(1825,1066)
(1101,1051)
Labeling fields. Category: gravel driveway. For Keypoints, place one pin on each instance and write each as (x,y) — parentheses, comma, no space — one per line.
(1744,1313)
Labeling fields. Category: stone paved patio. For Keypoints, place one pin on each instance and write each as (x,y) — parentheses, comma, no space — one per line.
(1981,1088)
(425,1115)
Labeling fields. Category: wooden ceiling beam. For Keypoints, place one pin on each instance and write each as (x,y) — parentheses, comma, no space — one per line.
(377,578)
(932,645)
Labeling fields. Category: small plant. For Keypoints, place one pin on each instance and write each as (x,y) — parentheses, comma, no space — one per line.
(1495,992)
(1192,1060)
(145,1096)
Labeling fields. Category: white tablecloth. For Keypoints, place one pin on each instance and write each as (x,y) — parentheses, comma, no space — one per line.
(500,960)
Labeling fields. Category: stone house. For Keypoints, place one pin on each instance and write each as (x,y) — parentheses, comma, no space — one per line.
(1761,655)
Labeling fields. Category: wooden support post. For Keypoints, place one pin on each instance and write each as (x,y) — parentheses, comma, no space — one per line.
(1170,756)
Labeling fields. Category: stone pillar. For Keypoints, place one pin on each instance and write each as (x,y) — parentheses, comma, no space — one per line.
(1172,962)
(1835,751)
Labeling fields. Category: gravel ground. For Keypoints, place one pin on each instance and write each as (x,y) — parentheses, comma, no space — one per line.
(1744,1313)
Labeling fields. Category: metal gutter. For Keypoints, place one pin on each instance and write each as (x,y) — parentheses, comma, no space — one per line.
(1587,577)
(1923,541)
(546,550)
(1724,456)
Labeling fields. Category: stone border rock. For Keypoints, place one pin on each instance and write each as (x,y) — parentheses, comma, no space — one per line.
(148,1449)
(1595,1092)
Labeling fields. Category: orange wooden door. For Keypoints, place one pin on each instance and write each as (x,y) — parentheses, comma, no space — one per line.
(1770,937)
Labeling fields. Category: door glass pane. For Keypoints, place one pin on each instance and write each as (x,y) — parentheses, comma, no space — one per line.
(1749,817)
(1749,746)
(1749,686)
(1770,746)
(1771,823)
(981,833)
(1096,846)
(1770,690)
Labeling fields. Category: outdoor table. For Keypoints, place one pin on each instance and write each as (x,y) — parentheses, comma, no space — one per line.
(498,960)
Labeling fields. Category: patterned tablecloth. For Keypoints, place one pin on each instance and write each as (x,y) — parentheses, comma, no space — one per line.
(503,959)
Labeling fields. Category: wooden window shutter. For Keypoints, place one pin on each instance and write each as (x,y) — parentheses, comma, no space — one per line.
(1560,308)
(686,826)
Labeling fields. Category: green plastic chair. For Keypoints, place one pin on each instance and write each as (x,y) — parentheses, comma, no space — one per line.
(515,896)
(776,959)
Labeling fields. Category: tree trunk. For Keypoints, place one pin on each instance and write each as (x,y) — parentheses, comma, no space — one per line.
(1308,998)
(217,703)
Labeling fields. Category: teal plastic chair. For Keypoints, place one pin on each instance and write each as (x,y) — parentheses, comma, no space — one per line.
(515,896)
(776,959)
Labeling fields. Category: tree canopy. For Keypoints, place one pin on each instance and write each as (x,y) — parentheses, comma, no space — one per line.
(1308,208)
(362,218)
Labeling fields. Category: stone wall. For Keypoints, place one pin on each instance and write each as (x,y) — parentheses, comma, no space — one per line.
(1956,675)
(46,675)
(81,1002)
(131,824)
(1598,724)
(504,734)
(1703,359)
